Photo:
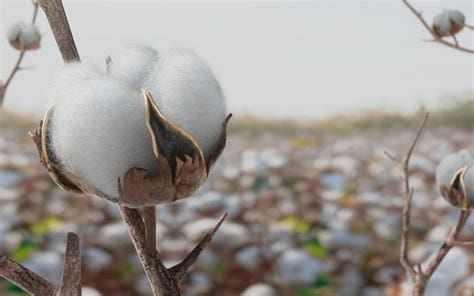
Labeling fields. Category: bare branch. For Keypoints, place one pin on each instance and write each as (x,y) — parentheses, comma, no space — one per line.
(71,282)
(25,278)
(149,217)
(406,217)
(59,24)
(181,268)
(436,37)
(17,66)
(447,245)
(392,157)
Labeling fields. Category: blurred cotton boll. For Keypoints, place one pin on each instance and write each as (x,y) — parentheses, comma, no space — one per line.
(455,172)
(260,289)
(297,267)
(98,131)
(188,93)
(450,164)
(449,22)
(133,64)
(24,36)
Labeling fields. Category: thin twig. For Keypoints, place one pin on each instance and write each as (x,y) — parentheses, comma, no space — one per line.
(436,37)
(421,276)
(25,278)
(17,66)
(162,280)
(447,245)
(408,195)
(455,41)
(181,268)
(469,26)
(71,281)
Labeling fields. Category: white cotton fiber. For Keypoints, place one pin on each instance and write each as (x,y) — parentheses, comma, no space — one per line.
(133,64)
(297,267)
(443,22)
(98,130)
(29,36)
(70,75)
(187,92)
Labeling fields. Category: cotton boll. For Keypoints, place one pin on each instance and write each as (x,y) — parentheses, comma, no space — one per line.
(24,36)
(187,92)
(260,289)
(133,64)
(297,267)
(30,36)
(98,132)
(450,164)
(448,22)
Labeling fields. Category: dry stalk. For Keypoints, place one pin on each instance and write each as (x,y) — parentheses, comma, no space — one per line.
(436,37)
(419,276)
(17,67)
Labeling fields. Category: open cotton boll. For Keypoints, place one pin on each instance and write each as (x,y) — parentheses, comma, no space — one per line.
(29,36)
(133,64)
(187,92)
(448,22)
(450,164)
(98,132)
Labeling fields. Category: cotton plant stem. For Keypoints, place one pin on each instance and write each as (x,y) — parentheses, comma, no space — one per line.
(418,275)
(436,37)
(59,24)
(149,217)
(158,276)
(25,278)
(71,281)
(17,66)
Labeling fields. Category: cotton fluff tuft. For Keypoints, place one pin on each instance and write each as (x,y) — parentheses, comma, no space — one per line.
(133,64)
(98,129)
(297,267)
(27,34)
(187,92)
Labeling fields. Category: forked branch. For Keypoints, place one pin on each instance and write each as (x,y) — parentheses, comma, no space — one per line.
(421,276)
(17,66)
(163,281)
(34,284)
(436,37)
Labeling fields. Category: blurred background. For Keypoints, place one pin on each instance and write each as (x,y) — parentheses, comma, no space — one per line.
(319,90)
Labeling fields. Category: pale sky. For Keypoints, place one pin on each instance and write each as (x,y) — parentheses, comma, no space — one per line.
(306,59)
